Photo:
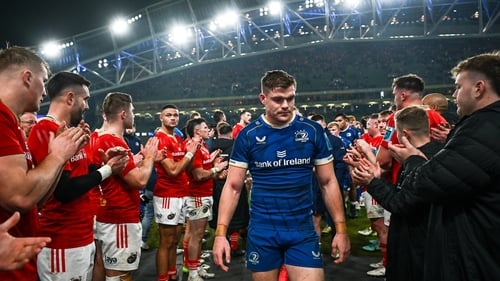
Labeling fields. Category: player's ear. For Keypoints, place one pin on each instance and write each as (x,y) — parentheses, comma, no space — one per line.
(262,98)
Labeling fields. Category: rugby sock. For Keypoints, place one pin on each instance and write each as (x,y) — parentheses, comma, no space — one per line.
(283,275)
(192,265)
(383,250)
(233,238)
(163,277)
(172,271)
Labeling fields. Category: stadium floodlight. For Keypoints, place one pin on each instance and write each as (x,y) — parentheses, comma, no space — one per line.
(51,49)
(179,34)
(314,3)
(119,26)
(275,7)
(227,19)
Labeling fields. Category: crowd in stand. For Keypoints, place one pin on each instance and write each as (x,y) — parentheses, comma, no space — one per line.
(337,66)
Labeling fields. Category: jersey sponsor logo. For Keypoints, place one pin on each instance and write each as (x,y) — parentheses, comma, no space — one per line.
(132,258)
(261,140)
(281,154)
(253,258)
(171,216)
(110,260)
(179,153)
(282,162)
(79,156)
(301,136)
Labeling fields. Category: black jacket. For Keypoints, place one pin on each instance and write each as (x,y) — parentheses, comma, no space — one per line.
(407,231)
(241,216)
(462,184)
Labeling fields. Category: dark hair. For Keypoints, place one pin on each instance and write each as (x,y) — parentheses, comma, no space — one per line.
(487,64)
(410,82)
(115,102)
(385,113)
(413,118)
(168,106)
(224,128)
(64,80)
(16,55)
(276,79)
(318,117)
(218,115)
(341,115)
(191,124)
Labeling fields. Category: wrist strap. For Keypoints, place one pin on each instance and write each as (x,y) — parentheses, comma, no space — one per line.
(221,230)
(189,155)
(105,172)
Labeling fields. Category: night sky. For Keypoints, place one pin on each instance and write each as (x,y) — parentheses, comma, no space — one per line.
(29,23)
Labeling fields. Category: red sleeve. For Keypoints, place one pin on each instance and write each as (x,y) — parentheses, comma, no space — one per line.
(38,141)
(10,137)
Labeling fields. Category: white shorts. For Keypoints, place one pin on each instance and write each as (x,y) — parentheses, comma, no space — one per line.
(373,209)
(387,217)
(121,245)
(169,210)
(199,207)
(66,264)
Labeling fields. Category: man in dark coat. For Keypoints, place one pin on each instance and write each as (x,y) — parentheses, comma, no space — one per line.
(408,228)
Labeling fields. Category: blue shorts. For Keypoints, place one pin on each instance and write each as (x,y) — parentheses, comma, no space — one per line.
(270,249)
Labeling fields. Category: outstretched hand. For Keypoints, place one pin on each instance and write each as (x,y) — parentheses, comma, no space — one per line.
(16,252)
(116,157)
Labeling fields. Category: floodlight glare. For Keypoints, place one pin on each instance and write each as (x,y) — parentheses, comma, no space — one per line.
(275,7)
(50,49)
(228,18)
(352,3)
(119,26)
(179,34)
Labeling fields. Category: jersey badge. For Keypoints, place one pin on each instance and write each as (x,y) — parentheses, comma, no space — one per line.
(253,258)
(301,136)
(132,258)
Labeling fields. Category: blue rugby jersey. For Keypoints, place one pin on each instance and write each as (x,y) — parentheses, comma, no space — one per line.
(281,161)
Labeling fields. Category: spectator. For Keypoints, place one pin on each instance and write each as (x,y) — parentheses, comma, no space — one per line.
(28,120)
(464,198)
(239,222)
(407,231)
